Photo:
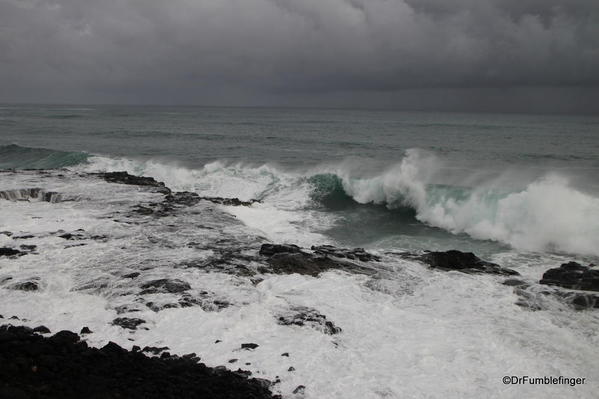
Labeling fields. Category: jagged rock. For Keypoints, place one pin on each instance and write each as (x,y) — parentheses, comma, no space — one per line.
(183,198)
(304,316)
(299,390)
(465,262)
(129,323)
(356,253)
(574,276)
(126,178)
(85,331)
(288,259)
(23,237)
(25,286)
(41,330)
(164,286)
(11,252)
(271,249)
(32,366)
(155,350)
(230,201)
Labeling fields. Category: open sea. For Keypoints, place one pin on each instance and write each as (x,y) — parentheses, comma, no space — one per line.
(518,190)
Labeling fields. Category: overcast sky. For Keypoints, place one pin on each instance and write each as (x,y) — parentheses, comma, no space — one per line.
(502,55)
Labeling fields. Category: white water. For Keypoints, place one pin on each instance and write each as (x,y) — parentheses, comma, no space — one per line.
(528,213)
(410,332)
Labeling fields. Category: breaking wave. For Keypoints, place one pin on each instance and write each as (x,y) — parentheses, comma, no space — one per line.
(543,213)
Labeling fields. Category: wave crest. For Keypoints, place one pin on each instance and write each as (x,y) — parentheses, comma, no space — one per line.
(541,214)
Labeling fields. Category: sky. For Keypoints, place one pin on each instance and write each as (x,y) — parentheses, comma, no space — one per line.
(456,55)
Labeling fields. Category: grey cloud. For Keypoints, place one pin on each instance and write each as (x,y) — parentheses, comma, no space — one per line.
(259,50)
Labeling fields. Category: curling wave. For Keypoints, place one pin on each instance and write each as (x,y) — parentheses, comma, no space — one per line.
(543,214)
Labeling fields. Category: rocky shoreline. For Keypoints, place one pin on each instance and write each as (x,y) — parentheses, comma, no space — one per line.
(144,287)
(64,366)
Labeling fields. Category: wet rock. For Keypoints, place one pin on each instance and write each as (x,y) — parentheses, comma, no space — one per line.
(80,235)
(286,354)
(465,262)
(41,330)
(189,199)
(356,253)
(129,323)
(304,316)
(155,350)
(126,178)
(290,369)
(249,346)
(233,360)
(572,275)
(183,198)
(25,194)
(64,337)
(288,259)
(271,249)
(10,252)
(85,331)
(28,248)
(32,366)
(300,390)
(229,201)
(25,286)
(165,286)
(24,237)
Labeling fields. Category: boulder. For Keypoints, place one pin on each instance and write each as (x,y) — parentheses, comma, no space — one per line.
(289,259)
(465,262)
(572,275)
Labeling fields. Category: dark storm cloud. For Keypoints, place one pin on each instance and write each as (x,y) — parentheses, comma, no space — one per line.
(256,50)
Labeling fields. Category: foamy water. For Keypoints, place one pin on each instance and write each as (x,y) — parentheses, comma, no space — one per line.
(408,331)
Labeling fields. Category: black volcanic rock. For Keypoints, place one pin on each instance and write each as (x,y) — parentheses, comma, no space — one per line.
(465,262)
(85,331)
(572,275)
(356,253)
(126,178)
(271,249)
(41,330)
(25,286)
(129,323)
(189,199)
(10,252)
(165,285)
(288,259)
(304,316)
(61,366)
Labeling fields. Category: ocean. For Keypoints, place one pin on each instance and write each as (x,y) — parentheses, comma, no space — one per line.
(518,190)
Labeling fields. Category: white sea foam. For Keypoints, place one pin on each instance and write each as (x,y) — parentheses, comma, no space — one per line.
(410,332)
(532,213)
